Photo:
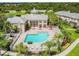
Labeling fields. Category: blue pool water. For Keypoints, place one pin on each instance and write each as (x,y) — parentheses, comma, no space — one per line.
(35,38)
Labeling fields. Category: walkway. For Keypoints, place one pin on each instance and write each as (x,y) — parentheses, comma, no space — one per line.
(65,52)
(14,40)
(3,53)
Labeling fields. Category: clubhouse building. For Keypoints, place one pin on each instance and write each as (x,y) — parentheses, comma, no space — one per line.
(34,19)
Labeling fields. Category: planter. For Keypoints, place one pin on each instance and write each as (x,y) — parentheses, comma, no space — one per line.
(30,42)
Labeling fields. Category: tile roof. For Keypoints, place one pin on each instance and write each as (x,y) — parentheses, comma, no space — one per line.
(68,14)
(15,20)
(34,17)
(24,18)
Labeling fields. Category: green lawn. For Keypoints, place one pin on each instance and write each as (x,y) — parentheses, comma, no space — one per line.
(14,13)
(71,30)
(75,51)
(73,35)
(1,33)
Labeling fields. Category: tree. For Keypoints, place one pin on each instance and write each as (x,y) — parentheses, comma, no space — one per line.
(49,44)
(73,7)
(4,24)
(59,45)
(4,43)
(7,26)
(21,49)
(2,21)
(77,30)
(58,36)
(15,29)
(43,53)
(52,18)
(28,26)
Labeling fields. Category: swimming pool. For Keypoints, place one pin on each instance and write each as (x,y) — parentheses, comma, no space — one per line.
(36,38)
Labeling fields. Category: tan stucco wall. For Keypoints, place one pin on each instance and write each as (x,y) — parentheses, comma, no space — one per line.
(20,26)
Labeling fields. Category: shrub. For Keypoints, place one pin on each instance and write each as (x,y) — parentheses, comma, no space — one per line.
(53,52)
(44,53)
(4,43)
(21,49)
(15,28)
(77,31)
(28,26)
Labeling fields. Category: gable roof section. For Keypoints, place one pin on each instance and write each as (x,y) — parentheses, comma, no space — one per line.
(29,17)
(15,20)
(36,17)
(68,14)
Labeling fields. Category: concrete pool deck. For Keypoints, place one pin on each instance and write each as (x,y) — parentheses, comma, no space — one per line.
(33,47)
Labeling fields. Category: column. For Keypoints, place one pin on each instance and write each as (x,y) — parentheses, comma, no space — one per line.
(23,27)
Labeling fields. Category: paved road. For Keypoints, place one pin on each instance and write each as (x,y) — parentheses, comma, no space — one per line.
(65,52)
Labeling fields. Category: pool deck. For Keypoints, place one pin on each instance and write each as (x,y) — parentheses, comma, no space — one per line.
(35,47)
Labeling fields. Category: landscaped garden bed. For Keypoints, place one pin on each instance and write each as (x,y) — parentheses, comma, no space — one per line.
(71,32)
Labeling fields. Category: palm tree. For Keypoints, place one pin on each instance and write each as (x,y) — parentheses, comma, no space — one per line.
(58,37)
(4,24)
(59,45)
(21,49)
(53,19)
(2,19)
(49,44)
(7,26)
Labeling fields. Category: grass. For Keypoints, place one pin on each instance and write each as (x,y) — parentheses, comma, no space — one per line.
(14,13)
(74,51)
(71,30)
(73,35)
(1,33)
